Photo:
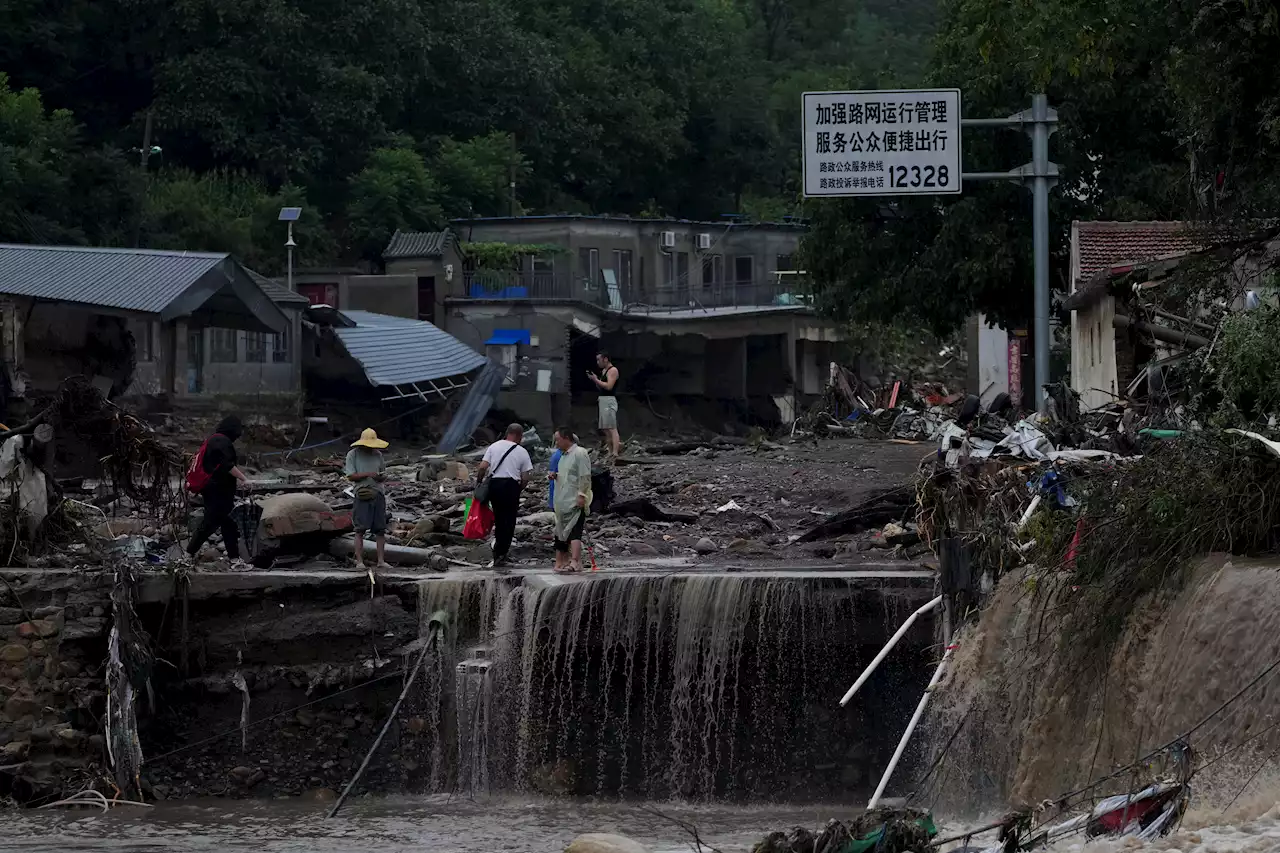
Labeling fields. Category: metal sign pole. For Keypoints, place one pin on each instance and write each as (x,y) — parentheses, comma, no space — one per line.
(897,142)
(1040,122)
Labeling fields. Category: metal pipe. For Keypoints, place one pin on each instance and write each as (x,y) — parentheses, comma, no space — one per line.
(436,625)
(1040,238)
(893,641)
(1161,333)
(911,727)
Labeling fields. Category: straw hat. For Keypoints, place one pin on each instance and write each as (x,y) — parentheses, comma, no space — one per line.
(369,438)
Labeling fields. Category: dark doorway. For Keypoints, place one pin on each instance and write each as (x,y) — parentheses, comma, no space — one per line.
(427,298)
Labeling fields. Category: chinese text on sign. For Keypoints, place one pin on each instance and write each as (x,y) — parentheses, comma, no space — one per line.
(882,143)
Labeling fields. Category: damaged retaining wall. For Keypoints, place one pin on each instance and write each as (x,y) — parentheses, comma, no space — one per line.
(51,683)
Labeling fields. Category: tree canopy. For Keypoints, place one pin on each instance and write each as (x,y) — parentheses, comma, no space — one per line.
(382,114)
(1169,110)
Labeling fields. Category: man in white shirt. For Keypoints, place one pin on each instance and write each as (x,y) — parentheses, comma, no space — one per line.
(509,467)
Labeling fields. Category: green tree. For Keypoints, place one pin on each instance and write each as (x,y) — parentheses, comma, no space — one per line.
(934,260)
(395,191)
(474,177)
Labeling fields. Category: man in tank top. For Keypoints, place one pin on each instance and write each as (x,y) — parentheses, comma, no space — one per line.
(607,382)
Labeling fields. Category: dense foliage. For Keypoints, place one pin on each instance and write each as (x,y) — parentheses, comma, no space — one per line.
(1170,109)
(381,114)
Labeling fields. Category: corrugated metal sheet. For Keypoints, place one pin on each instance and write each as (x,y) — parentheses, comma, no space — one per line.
(479,400)
(127,279)
(396,351)
(417,244)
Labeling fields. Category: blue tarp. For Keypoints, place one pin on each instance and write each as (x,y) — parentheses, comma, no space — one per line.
(506,337)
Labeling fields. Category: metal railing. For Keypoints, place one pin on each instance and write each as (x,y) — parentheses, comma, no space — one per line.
(516,284)
(483,284)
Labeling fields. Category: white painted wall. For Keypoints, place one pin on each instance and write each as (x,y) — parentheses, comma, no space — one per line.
(993,361)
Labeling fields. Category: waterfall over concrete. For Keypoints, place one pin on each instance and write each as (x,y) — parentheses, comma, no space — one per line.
(692,686)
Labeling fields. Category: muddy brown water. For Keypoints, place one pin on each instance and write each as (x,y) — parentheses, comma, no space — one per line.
(390,824)
(441,825)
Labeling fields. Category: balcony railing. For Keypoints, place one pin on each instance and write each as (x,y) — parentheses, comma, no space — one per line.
(482,284)
(514,284)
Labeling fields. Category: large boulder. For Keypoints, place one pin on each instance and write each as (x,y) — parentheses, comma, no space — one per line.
(601,842)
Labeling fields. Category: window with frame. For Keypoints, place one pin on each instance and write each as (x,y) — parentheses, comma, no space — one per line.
(785,263)
(589,266)
(682,270)
(255,347)
(222,345)
(712,271)
(744,269)
(282,346)
(505,354)
(668,270)
(622,268)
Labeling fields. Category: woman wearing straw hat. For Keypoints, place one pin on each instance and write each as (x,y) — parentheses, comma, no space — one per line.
(365,468)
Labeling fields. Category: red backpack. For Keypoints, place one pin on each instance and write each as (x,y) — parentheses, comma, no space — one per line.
(197,477)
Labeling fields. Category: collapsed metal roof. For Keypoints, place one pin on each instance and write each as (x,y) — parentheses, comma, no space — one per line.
(212,288)
(401,353)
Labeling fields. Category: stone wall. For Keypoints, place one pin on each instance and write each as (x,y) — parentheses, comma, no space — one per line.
(51,686)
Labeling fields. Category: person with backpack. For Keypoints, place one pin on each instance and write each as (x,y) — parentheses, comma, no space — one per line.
(214,475)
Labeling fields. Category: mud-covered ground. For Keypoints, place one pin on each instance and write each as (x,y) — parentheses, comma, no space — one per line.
(751,504)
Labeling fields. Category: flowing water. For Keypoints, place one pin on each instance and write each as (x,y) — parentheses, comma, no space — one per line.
(713,689)
(436,825)
(698,688)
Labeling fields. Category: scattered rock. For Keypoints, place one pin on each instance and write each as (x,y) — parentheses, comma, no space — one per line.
(540,519)
(481,553)
(454,471)
(247,776)
(38,628)
(14,752)
(705,546)
(320,795)
(417,725)
(349,722)
(643,549)
(601,842)
(14,653)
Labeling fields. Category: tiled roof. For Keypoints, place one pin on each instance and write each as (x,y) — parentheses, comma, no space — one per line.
(278,293)
(397,351)
(1102,245)
(417,244)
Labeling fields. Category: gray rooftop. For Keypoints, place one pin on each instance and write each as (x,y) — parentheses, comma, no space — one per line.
(170,284)
(417,244)
(396,351)
(278,293)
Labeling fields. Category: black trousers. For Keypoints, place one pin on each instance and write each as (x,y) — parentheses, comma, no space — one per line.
(504,500)
(218,505)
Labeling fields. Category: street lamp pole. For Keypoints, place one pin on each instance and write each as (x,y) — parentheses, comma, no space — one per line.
(290,215)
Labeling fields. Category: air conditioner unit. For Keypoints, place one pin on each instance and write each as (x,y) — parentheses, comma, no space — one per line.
(668,239)
(704,242)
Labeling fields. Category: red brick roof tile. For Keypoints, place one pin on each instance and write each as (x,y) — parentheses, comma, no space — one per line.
(1102,245)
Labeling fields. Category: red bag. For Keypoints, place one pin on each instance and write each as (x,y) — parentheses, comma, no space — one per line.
(479,521)
(197,477)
